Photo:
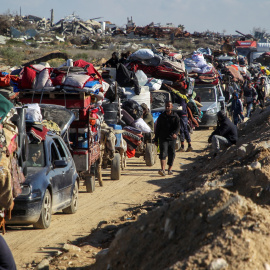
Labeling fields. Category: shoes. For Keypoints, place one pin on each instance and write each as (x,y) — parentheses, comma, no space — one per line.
(181,149)
(170,172)
(189,149)
(161,172)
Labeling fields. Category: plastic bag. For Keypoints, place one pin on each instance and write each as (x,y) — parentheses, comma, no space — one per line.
(33,112)
(142,78)
(143,54)
(133,108)
(142,126)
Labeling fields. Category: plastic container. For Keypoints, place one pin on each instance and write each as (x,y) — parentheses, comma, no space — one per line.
(70,62)
(82,142)
(118,136)
(110,112)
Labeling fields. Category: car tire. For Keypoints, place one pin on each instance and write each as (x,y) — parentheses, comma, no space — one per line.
(90,183)
(116,167)
(150,154)
(72,209)
(46,212)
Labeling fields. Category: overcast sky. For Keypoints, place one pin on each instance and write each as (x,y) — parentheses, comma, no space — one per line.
(195,15)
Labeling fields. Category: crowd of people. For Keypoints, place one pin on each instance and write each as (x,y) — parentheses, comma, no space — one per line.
(242,102)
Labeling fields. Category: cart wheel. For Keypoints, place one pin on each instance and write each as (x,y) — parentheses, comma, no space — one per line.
(90,183)
(150,154)
(178,143)
(116,167)
(123,161)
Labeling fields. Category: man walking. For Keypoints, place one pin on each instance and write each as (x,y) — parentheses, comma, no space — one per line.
(261,90)
(225,134)
(182,101)
(237,109)
(250,96)
(167,128)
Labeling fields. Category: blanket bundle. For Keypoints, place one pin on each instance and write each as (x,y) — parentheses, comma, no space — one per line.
(82,76)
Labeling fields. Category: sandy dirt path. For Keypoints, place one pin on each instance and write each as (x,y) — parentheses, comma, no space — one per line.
(137,185)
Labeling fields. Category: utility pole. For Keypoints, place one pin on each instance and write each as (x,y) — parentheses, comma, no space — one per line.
(20,11)
(52,17)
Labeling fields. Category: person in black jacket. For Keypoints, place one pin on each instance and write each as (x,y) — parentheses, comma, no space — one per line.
(167,128)
(225,134)
(6,258)
(261,90)
(113,61)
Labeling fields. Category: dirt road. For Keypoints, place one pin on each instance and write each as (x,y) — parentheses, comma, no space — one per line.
(137,185)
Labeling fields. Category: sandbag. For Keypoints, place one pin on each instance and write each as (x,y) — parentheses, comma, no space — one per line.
(143,54)
(133,108)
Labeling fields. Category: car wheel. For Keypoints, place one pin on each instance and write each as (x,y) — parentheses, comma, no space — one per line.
(74,200)
(46,212)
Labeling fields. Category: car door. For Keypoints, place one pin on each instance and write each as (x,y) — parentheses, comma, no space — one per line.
(221,104)
(56,178)
(68,171)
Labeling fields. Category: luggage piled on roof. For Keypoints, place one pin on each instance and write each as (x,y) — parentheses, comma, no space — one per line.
(11,176)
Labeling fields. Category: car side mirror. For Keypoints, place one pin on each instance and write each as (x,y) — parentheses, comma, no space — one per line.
(221,99)
(59,164)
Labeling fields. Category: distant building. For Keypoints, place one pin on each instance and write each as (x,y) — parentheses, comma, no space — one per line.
(110,26)
(32,18)
(130,23)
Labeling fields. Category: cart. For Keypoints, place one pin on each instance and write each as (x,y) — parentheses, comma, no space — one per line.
(119,161)
(82,141)
(147,149)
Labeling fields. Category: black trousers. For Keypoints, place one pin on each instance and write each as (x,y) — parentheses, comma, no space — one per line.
(6,258)
(167,149)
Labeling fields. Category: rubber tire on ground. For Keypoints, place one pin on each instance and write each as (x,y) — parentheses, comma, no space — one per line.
(90,183)
(116,167)
(46,212)
(72,209)
(177,143)
(124,162)
(150,154)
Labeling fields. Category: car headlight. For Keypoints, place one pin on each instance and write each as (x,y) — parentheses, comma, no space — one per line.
(26,190)
(211,111)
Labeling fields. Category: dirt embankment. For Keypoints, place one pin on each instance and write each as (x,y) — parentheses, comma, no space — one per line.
(220,221)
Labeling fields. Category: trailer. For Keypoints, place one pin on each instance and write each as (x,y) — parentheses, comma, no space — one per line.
(82,137)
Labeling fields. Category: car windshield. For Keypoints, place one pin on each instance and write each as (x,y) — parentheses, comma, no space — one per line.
(206,94)
(36,155)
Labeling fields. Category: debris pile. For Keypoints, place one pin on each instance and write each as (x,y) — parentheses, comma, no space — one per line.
(201,229)
(210,227)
